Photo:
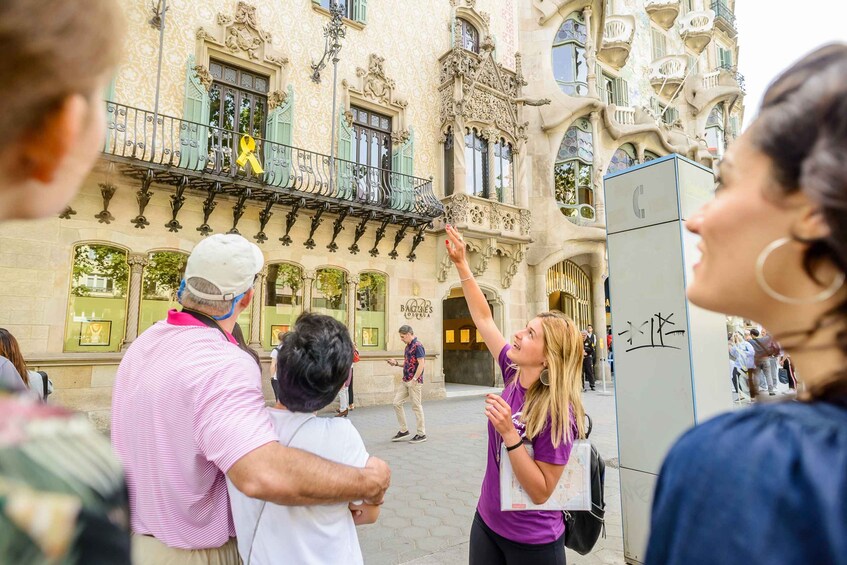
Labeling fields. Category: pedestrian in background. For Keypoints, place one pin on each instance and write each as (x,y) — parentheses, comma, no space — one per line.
(589,343)
(774,249)
(57,58)
(411,387)
(38,384)
(540,410)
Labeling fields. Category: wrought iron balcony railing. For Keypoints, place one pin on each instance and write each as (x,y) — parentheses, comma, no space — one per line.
(176,150)
(733,71)
(724,16)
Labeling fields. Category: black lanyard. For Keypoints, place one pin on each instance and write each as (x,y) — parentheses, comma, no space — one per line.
(236,333)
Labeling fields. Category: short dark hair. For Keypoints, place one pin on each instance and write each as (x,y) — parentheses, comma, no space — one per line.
(754,332)
(314,361)
(406,329)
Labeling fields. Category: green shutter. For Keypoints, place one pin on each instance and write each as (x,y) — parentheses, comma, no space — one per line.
(360,11)
(279,128)
(347,159)
(403,162)
(194,134)
(621,92)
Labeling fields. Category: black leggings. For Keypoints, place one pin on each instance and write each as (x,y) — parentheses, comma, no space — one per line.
(489,548)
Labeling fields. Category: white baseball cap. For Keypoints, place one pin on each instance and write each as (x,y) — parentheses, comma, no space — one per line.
(228,261)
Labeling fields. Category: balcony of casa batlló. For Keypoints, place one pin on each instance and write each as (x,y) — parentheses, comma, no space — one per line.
(662,12)
(211,161)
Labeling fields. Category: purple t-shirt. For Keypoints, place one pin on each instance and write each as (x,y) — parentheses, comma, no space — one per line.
(530,526)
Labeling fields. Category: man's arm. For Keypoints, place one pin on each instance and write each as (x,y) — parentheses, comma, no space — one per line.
(293,477)
(419,371)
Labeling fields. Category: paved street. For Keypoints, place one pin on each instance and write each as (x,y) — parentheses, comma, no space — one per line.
(427,515)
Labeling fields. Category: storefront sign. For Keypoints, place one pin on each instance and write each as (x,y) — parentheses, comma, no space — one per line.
(417,308)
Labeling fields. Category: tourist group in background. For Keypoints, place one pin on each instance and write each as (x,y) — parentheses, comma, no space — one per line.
(757,364)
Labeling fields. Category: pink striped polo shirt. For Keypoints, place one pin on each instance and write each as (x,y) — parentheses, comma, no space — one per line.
(187,404)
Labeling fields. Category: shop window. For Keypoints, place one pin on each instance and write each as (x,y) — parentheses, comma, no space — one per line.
(476,164)
(573,173)
(159,285)
(96,320)
(329,293)
(569,65)
(370,311)
(283,301)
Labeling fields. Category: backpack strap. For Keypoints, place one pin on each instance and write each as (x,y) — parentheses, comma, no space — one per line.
(45,385)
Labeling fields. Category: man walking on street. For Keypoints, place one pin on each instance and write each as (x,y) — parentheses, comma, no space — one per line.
(188,412)
(411,387)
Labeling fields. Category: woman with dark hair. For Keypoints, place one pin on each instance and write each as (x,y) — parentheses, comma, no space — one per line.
(10,350)
(769,484)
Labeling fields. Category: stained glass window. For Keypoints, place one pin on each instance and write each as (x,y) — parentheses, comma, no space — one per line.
(623,158)
(570,68)
(573,173)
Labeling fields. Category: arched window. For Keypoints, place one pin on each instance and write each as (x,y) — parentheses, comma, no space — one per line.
(715,131)
(649,155)
(283,301)
(470,35)
(503,183)
(569,291)
(623,158)
(573,173)
(97,306)
(370,311)
(329,293)
(569,66)
(162,275)
(476,164)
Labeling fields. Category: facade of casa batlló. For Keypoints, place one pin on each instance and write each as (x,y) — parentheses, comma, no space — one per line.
(498,116)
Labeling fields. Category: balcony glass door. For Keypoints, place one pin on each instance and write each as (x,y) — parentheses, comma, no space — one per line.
(372,152)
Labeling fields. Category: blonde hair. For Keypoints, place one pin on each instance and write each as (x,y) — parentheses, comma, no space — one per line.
(52,49)
(563,353)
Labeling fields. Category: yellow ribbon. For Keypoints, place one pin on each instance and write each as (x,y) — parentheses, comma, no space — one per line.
(248,153)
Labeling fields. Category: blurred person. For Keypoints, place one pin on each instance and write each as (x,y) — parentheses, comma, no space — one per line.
(57,59)
(534,422)
(33,380)
(774,249)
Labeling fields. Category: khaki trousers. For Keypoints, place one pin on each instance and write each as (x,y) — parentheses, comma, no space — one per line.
(147,550)
(411,389)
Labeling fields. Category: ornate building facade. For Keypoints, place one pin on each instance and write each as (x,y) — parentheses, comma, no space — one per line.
(498,116)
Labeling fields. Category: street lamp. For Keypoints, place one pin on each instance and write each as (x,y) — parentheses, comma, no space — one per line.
(334,32)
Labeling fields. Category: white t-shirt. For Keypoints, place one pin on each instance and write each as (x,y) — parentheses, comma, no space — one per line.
(303,534)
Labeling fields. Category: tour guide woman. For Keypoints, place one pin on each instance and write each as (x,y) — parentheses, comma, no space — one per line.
(540,406)
(769,484)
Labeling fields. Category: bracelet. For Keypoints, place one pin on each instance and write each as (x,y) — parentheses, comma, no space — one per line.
(466,278)
(517,445)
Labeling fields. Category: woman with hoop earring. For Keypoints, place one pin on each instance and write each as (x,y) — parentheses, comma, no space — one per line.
(768,484)
(540,410)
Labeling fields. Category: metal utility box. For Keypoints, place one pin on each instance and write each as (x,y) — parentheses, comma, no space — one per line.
(671,369)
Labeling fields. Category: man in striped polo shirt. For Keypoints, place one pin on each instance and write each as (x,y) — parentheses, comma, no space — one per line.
(188,411)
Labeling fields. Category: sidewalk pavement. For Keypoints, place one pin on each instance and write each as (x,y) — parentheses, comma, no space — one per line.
(427,515)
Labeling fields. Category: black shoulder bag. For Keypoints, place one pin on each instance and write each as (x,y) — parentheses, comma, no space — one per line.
(583,527)
(236,333)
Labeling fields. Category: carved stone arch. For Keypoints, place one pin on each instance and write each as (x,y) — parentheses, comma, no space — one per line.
(375,90)
(240,40)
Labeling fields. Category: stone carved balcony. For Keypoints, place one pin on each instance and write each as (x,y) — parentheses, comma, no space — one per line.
(617,40)
(696,29)
(667,74)
(722,84)
(663,12)
(724,18)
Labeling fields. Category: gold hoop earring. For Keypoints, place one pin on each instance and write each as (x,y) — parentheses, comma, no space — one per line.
(544,377)
(826,294)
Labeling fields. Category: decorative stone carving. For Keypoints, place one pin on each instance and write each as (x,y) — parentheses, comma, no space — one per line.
(459,208)
(277,98)
(486,252)
(476,214)
(443,267)
(494,216)
(203,76)
(241,34)
(512,266)
(374,85)
(526,221)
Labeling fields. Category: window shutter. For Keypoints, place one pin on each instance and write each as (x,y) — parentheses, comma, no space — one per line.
(621,92)
(194,134)
(403,162)
(659,48)
(360,11)
(346,177)
(279,129)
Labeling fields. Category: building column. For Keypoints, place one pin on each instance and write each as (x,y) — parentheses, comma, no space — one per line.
(352,288)
(308,279)
(137,262)
(597,181)
(256,310)
(598,300)
(590,55)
